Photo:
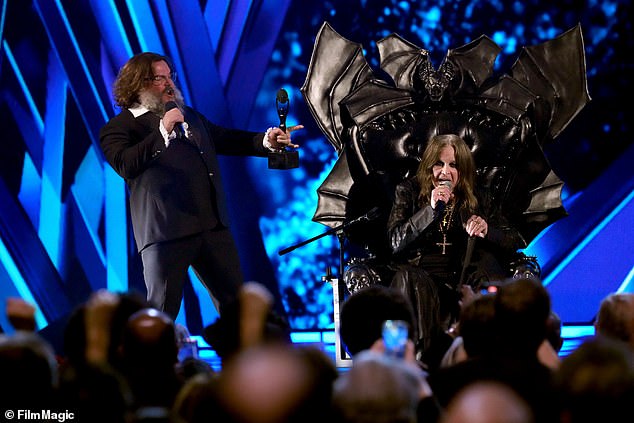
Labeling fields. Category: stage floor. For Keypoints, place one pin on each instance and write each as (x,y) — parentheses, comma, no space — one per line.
(573,335)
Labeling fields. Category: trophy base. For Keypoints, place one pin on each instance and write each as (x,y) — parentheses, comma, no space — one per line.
(283,159)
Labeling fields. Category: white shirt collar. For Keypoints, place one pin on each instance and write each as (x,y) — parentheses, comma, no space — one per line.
(138,110)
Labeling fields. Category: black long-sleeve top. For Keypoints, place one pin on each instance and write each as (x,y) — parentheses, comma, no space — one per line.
(415,237)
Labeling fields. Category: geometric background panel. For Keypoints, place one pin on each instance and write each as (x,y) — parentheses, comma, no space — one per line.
(64,220)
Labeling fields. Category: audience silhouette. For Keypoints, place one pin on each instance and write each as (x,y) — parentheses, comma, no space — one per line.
(125,362)
(517,329)
(595,382)
(488,402)
(363,314)
(149,355)
(379,389)
(616,318)
(29,369)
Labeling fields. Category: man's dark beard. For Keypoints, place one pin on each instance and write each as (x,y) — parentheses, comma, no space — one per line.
(153,102)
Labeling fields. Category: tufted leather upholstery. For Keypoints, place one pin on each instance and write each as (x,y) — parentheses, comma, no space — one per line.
(388,150)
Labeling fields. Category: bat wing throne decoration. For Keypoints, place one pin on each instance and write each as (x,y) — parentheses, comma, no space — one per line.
(379,126)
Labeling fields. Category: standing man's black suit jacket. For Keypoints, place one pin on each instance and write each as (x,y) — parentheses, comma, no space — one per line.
(175,191)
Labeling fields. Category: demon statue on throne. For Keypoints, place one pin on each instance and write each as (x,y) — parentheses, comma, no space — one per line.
(379,127)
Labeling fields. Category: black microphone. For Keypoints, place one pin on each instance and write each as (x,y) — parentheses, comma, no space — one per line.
(282,103)
(179,127)
(441,205)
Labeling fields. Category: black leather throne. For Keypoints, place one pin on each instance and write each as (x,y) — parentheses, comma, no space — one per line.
(380,127)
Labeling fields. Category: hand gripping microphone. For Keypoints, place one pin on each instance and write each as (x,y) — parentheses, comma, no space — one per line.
(179,127)
(283,158)
(441,205)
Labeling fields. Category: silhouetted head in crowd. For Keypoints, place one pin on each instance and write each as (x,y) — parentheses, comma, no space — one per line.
(129,303)
(74,345)
(377,389)
(149,337)
(522,308)
(96,394)
(616,317)
(487,402)
(29,371)
(196,401)
(477,326)
(149,357)
(595,382)
(275,382)
(363,314)
(553,331)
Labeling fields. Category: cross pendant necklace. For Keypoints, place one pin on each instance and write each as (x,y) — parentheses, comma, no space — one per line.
(444,227)
(443,244)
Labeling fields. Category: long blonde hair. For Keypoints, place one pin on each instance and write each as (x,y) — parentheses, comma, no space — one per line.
(464,191)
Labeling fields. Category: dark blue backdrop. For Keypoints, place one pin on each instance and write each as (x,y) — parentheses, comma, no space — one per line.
(64,230)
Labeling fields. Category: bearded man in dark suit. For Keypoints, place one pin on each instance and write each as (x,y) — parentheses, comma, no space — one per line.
(167,154)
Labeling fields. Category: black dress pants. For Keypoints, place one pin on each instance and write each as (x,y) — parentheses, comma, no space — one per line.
(434,303)
(213,256)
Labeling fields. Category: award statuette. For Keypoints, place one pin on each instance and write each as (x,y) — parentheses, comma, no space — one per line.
(283,158)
